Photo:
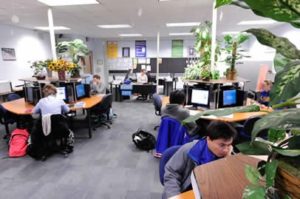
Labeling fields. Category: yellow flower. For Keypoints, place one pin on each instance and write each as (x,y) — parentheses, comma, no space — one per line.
(60,65)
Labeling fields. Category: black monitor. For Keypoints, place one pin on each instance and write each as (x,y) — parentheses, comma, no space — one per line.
(61,93)
(80,91)
(32,94)
(200,97)
(228,98)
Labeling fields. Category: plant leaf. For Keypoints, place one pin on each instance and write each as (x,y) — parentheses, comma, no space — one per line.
(287,152)
(271,168)
(286,84)
(283,119)
(294,142)
(222,3)
(275,135)
(280,62)
(254,148)
(252,174)
(254,192)
(281,44)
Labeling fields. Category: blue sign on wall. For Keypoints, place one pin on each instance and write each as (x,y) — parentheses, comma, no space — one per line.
(140,48)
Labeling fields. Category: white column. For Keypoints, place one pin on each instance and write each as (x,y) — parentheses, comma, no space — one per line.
(51,32)
(157,62)
(213,36)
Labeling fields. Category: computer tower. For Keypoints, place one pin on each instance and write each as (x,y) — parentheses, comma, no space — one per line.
(87,88)
(70,95)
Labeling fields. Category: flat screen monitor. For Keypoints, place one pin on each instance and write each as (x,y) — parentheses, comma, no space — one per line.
(61,93)
(229,97)
(80,91)
(29,94)
(200,97)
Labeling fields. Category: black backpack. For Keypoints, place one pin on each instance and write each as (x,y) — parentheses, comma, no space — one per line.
(143,140)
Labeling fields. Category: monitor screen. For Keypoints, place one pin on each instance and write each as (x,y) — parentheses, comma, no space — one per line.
(80,91)
(229,97)
(61,93)
(200,97)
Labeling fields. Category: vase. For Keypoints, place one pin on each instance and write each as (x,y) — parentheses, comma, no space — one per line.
(61,75)
(231,74)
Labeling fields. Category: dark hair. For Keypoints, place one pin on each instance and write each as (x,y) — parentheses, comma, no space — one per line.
(177,97)
(96,76)
(220,130)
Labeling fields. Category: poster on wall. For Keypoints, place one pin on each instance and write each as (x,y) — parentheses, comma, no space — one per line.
(177,48)
(112,49)
(8,54)
(140,48)
(125,52)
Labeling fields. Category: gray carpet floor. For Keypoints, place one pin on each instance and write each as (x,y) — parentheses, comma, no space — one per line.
(108,166)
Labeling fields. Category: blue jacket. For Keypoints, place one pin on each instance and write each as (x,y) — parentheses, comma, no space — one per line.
(178,169)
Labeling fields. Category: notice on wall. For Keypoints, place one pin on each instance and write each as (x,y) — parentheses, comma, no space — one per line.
(112,49)
(140,48)
(177,48)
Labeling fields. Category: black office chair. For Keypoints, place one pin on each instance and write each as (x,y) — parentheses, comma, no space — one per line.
(157,102)
(100,110)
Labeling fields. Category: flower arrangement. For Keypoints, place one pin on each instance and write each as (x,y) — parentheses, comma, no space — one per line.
(61,65)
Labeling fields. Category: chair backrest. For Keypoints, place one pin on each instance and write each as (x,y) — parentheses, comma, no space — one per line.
(157,102)
(105,103)
(13,96)
(249,124)
(164,160)
(170,133)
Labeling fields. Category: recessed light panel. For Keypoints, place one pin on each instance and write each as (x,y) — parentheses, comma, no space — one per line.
(115,26)
(68,2)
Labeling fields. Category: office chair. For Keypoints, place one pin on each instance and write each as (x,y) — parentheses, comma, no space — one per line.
(103,108)
(157,102)
(170,133)
(13,96)
(166,156)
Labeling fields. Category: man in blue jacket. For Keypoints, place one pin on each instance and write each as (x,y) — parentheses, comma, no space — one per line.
(178,169)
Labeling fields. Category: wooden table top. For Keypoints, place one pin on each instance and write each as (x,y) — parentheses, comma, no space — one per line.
(20,107)
(224,178)
(185,195)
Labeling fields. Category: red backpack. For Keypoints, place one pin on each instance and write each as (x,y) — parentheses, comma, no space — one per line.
(18,143)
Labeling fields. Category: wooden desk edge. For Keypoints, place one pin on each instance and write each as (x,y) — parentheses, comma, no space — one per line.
(186,195)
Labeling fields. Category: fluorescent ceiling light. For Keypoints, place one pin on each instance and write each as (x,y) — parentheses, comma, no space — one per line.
(180,34)
(163,0)
(182,24)
(230,33)
(115,26)
(257,22)
(68,2)
(130,35)
(55,28)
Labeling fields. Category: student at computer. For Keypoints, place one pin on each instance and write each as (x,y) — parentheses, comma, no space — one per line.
(175,109)
(142,77)
(217,144)
(50,104)
(97,86)
(265,93)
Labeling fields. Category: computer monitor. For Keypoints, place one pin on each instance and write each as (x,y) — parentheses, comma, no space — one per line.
(229,98)
(80,91)
(200,97)
(61,93)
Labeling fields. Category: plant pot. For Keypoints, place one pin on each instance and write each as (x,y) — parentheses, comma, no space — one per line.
(40,77)
(61,75)
(287,181)
(231,74)
(205,78)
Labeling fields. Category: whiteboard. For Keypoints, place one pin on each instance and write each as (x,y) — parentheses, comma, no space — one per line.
(119,63)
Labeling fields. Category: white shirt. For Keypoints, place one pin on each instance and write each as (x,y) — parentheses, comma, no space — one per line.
(50,105)
(142,78)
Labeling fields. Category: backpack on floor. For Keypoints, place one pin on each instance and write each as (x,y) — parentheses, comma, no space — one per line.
(18,143)
(143,140)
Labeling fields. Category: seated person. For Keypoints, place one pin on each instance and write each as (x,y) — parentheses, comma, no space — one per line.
(178,169)
(265,93)
(142,77)
(50,104)
(175,109)
(97,87)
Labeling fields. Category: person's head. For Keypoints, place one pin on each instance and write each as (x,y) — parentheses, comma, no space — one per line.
(49,89)
(96,78)
(177,97)
(220,136)
(267,85)
(143,71)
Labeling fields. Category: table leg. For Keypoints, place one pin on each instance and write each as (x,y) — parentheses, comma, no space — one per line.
(89,122)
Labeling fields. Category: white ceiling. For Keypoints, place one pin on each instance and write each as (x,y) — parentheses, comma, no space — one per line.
(83,20)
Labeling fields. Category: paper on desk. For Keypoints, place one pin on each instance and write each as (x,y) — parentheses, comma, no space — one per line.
(228,116)
(193,112)
(79,104)
(209,116)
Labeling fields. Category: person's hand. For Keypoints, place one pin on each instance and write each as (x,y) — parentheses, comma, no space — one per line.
(230,151)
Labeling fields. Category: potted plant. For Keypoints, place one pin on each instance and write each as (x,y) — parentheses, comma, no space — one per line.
(61,66)
(75,50)
(279,122)
(231,48)
(39,69)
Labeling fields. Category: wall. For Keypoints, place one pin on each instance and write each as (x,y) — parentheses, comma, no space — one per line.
(29,46)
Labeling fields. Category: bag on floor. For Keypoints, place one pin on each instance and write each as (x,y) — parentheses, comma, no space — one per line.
(18,143)
(143,140)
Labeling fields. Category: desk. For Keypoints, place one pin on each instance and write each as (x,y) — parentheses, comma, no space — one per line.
(20,107)
(185,195)
(224,178)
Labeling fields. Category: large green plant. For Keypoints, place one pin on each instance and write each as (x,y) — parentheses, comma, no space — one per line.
(74,49)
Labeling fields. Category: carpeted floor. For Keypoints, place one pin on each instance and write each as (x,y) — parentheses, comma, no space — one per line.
(108,166)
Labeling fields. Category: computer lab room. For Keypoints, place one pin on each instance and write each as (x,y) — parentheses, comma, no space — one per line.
(149,99)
